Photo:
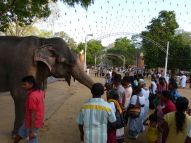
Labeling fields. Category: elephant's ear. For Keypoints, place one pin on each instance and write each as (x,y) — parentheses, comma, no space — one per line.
(46,54)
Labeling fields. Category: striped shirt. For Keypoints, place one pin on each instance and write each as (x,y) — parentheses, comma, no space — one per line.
(94,116)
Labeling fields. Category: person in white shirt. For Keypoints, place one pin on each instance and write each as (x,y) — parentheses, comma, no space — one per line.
(145,92)
(135,125)
(128,91)
(183,81)
(153,87)
(119,88)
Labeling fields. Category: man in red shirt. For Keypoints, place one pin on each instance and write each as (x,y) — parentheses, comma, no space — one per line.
(34,115)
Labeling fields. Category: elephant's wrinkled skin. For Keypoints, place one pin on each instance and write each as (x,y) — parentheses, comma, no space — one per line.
(40,57)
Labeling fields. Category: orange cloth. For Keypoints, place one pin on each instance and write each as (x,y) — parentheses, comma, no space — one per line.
(116,104)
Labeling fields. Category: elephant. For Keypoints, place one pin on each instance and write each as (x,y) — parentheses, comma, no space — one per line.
(39,57)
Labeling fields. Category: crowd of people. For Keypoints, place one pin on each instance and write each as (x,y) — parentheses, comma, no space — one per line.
(131,106)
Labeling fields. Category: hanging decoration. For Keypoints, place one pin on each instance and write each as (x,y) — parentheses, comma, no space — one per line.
(113,16)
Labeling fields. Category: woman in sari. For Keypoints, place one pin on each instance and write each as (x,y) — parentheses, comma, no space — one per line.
(135,125)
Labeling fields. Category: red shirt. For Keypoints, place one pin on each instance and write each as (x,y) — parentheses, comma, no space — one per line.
(169,107)
(35,103)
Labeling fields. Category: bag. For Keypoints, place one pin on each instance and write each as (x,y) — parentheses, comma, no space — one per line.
(135,110)
(119,123)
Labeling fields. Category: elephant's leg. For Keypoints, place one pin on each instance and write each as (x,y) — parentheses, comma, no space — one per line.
(19,102)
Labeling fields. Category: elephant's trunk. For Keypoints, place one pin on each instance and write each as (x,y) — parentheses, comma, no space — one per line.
(79,74)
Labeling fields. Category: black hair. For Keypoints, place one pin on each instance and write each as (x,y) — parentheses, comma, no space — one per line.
(97,90)
(181,106)
(30,79)
(162,81)
(173,84)
(136,90)
(153,117)
(126,79)
(113,95)
(117,78)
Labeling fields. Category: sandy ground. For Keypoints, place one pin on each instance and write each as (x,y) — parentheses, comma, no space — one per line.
(62,105)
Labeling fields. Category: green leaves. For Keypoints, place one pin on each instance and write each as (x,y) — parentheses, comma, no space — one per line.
(123,46)
(24,12)
(94,47)
(161,30)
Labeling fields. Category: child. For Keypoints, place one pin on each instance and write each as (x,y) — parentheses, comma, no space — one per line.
(107,78)
(115,131)
(153,134)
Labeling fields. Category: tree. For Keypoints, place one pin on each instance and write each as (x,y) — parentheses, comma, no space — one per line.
(123,46)
(24,12)
(14,29)
(186,37)
(45,34)
(70,41)
(180,53)
(93,47)
(161,30)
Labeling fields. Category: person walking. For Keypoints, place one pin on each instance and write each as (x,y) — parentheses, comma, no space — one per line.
(145,92)
(162,85)
(94,116)
(34,116)
(153,91)
(183,81)
(119,88)
(178,123)
(116,133)
(135,125)
(128,91)
(173,90)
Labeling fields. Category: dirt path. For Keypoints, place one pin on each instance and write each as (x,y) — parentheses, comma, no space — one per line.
(62,105)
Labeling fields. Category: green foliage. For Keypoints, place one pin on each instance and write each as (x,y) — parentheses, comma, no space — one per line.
(70,41)
(186,37)
(15,29)
(93,48)
(180,53)
(123,46)
(83,3)
(81,46)
(24,12)
(45,34)
(161,30)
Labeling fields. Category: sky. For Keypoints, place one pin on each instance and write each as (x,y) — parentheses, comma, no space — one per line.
(107,20)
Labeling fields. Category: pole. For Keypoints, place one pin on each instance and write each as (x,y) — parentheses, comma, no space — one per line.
(166,62)
(95,58)
(85,53)
(124,63)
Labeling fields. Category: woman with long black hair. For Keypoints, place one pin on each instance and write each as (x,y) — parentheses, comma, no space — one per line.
(178,122)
